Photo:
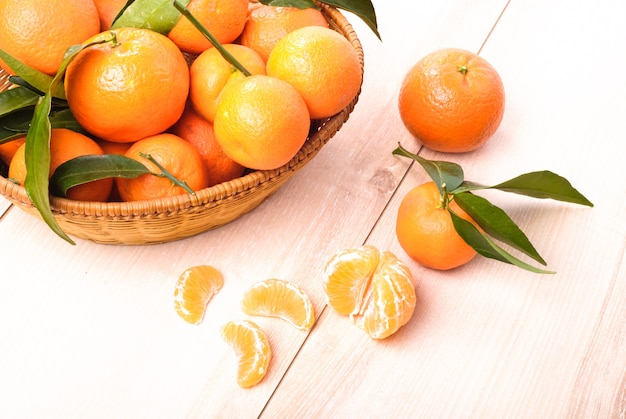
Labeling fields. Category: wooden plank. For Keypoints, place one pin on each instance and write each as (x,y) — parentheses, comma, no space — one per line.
(490,340)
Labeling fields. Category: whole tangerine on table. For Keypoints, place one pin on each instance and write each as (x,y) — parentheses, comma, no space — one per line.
(321,64)
(452,100)
(66,144)
(132,85)
(38,32)
(261,122)
(266,25)
(224,19)
(175,155)
(425,231)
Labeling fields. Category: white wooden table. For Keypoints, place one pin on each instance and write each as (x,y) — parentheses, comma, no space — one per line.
(90,330)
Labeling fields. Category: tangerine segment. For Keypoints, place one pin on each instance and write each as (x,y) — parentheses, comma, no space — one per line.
(347,276)
(194,289)
(279,298)
(252,349)
(392,300)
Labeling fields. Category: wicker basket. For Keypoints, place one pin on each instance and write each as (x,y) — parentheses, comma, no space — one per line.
(178,217)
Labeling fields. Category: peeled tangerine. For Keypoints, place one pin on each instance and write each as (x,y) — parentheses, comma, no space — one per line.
(375,289)
(252,349)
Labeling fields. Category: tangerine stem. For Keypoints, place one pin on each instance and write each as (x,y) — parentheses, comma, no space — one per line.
(227,55)
(444,200)
(463,69)
(166,174)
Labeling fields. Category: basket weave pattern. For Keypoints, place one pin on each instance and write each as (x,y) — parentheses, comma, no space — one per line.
(178,217)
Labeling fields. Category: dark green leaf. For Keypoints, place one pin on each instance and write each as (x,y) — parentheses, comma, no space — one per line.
(15,99)
(18,122)
(495,222)
(157,15)
(33,77)
(544,184)
(486,247)
(300,4)
(85,169)
(441,172)
(364,9)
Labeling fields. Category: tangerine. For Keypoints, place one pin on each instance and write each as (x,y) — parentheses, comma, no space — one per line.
(261,122)
(322,65)
(176,156)
(266,25)
(28,26)
(224,19)
(66,144)
(252,349)
(425,231)
(132,85)
(452,100)
(8,149)
(210,73)
(108,11)
(199,132)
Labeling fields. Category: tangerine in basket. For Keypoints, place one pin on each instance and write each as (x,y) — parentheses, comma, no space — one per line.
(66,144)
(175,155)
(321,64)
(252,349)
(281,299)
(261,122)
(8,149)
(266,25)
(194,289)
(38,32)
(131,86)
(452,100)
(375,289)
(210,73)
(199,132)
(107,11)
(224,19)
(425,230)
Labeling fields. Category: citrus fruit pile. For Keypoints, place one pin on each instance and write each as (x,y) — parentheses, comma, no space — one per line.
(232,86)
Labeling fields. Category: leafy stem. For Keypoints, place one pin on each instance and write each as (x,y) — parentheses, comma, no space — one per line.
(166,174)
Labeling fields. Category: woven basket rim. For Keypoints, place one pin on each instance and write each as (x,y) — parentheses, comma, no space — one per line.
(322,132)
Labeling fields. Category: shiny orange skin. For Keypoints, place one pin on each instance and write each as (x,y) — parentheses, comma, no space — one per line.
(321,64)
(129,88)
(176,155)
(224,19)
(65,145)
(7,150)
(452,100)
(107,11)
(38,32)
(266,25)
(425,230)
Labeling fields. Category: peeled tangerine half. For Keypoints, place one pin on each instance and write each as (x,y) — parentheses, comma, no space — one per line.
(194,289)
(252,349)
(279,298)
(375,289)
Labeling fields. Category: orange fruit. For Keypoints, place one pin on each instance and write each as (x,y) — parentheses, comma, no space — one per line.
(108,11)
(279,298)
(199,132)
(266,25)
(110,147)
(194,289)
(8,149)
(452,100)
(129,88)
(252,349)
(425,230)
(261,122)
(38,32)
(322,65)
(66,145)
(175,155)
(224,19)
(375,289)
(210,73)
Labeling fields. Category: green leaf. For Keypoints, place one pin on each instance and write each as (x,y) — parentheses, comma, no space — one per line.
(15,99)
(441,172)
(495,222)
(486,247)
(17,123)
(157,15)
(364,9)
(85,169)
(33,77)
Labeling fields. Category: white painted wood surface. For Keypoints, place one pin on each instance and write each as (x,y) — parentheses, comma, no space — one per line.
(90,330)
